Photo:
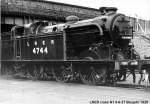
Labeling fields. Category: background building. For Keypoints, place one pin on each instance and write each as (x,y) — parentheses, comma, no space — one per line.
(20,12)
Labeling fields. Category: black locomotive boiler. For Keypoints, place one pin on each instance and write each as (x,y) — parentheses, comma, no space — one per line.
(90,50)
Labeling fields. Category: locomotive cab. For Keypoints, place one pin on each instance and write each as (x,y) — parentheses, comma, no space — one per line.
(17,32)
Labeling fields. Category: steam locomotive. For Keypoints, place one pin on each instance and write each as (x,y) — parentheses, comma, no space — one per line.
(90,50)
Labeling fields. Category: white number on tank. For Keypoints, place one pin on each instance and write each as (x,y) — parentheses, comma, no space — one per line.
(46,50)
(41,50)
(34,51)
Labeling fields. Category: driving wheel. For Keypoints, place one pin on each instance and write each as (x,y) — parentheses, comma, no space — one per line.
(92,76)
(62,73)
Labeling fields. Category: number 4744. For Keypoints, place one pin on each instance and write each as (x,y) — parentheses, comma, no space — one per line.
(40,50)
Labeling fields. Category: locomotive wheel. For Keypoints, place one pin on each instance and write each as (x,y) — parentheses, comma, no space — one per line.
(92,76)
(62,73)
(37,72)
(19,71)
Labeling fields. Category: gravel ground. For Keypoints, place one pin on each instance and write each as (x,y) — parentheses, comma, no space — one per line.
(17,91)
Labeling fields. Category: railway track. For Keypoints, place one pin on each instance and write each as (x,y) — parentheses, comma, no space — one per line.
(120,84)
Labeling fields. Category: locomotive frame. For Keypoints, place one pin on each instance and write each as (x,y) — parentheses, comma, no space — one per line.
(89,50)
(38,66)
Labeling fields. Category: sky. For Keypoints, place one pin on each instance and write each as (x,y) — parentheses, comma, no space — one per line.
(133,8)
